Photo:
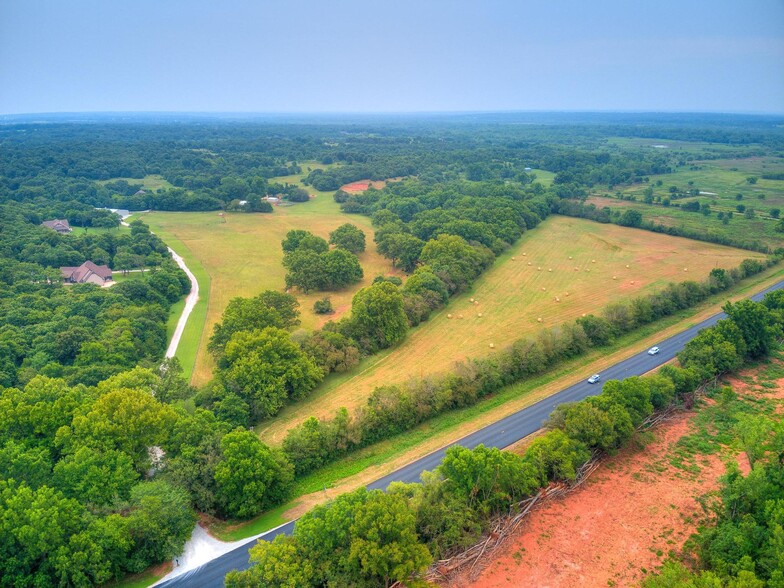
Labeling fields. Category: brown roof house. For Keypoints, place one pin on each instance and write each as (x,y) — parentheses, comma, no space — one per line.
(87,273)
(59,225)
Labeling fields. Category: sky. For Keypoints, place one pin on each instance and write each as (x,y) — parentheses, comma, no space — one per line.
(295,56)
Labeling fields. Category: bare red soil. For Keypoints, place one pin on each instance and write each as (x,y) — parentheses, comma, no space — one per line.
(618,526)
(622,523)
(361,186)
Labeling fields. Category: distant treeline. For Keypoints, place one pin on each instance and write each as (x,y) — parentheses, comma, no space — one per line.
(212,164)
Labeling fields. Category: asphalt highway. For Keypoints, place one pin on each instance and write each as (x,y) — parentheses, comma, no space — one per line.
(500,434)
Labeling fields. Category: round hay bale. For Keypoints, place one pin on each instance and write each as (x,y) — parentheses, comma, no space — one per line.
(459,316)
(476,302)
(632,281)
(539,320)
(514,258)
(615,277)
(685,269)
(492,345)
(529,263)
(577,269)
(470,299)
(544,289)
(567,294)
(551,269)
(584,314)
(525,254)
(593,261)
(557,299)
(449,316)
(627,266)
(539,269)
(479,314)
(570,257)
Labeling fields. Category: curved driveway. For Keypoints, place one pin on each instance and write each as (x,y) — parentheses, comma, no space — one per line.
(190,303)
(500,434)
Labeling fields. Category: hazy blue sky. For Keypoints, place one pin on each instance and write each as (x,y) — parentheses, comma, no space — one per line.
(395,55)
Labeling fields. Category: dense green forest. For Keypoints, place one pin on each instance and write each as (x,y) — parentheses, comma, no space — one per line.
(107,454)
(210,162)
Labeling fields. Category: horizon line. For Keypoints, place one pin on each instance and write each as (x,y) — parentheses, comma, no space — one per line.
(384,112)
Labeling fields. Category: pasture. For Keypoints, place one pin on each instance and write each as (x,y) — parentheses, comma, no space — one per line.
(151,182)
(242,256)
(589,270)
(720,182)
(544,177)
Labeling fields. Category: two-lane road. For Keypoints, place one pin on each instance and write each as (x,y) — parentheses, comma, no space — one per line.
(500,434)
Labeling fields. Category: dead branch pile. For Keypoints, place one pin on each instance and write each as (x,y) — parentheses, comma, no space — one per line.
(476,557)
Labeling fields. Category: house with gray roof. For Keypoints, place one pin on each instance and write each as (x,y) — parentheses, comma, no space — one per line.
(58,224)
(87,273)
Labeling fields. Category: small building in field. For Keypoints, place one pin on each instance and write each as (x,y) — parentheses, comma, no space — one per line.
(87,273)
(59,224)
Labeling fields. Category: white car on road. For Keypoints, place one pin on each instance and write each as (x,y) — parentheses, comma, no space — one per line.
(594,378)
(653,351)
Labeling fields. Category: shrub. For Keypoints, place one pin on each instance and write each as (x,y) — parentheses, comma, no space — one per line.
(323,306)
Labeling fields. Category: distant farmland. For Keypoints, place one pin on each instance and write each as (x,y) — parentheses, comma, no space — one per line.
(513,295)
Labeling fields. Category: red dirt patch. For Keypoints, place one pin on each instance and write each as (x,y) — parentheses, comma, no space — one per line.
(627,517)
(361,186)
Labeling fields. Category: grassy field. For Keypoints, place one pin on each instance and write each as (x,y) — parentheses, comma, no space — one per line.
(544,177)
(242,257)
(378,460)
(720,181)
(513,295)
(151,182)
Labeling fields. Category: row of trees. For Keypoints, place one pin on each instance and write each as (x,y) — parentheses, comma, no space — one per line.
(393,409)
(634,218)
(260,368)
(376,538)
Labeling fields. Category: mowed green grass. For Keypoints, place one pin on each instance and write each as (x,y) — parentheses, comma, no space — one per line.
(151,182)
(240,255)
(544,177)
(588,262)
